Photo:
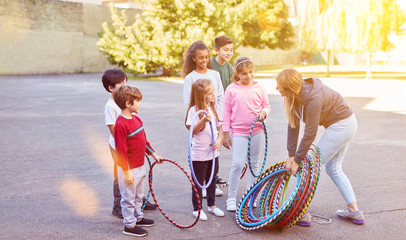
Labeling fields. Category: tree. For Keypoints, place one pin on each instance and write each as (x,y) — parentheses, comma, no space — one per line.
(160,35)
(348,25)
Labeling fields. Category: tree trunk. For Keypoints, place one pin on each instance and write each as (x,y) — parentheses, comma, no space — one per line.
(328,63)
(369,65)
(167,71)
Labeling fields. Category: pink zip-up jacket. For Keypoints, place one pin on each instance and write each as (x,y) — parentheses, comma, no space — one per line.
(241,106)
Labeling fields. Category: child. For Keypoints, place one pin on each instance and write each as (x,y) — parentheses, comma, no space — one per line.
(195,66)
(244,101)
(111,79)
(202,98)
(131,146)
(223,46)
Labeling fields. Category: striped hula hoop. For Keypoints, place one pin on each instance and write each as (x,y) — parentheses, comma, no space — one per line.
(249,148)
(273,208)
(195,192)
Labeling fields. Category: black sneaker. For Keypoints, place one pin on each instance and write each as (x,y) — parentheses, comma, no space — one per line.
(150,206)
(117,212)
(135,231)
(220,181)
(145,223)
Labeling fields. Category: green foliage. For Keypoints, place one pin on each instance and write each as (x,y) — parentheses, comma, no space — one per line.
(348,25)
(159,36)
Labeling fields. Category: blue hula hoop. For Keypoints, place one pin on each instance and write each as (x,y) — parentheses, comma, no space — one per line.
(249,148)
(192,171)
(149,189)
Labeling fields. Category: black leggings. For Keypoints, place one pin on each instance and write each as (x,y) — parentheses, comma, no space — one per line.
(203,172)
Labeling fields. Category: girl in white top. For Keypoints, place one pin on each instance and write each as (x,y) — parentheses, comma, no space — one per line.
(202,98)
(196,66)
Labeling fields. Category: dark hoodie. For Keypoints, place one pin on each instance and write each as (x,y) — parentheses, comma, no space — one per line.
(321,106)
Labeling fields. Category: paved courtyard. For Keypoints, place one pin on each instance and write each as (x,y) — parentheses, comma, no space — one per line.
(56,169)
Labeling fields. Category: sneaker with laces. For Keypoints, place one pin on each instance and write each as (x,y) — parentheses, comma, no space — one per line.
(220,181)
(231,206)
(203,215)
(145,222)
(216,211)
(150,206)
(135,231)
(355,217)
(305,221)
(117,212)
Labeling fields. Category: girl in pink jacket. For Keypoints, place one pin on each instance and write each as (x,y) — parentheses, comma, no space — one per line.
(244,101)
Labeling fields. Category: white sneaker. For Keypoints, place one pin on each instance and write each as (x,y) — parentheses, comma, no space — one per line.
(219,192)
(231,207)
(203,215)
(216,211)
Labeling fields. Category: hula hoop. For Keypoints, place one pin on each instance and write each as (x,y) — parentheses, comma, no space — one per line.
(249,148)
(192,171)
(149,189)
(194,191)
(273,184)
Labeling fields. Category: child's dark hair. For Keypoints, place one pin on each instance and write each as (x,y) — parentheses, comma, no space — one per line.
(188,64)
(126,93)
(111,77)
(221,41)
(240,63)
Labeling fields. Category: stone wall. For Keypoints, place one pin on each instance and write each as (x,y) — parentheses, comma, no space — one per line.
(44,37)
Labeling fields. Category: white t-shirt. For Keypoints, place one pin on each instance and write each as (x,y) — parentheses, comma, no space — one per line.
(201,142)
(111,113)
(212,75)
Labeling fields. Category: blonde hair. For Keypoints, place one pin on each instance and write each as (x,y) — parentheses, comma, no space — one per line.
(197,97)
(291,82)
(240,63)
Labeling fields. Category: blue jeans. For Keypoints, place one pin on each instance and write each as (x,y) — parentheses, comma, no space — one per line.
(333,146)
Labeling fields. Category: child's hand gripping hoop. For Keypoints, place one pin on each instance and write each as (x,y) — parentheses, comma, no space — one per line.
(192,172)
(249,148)
(195,192)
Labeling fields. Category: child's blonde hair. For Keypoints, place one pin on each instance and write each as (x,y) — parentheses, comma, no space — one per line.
(188,64)
(197,97)
(291,82)
(241,63)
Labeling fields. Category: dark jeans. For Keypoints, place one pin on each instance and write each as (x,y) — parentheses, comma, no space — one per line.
(116,189)
(203,172)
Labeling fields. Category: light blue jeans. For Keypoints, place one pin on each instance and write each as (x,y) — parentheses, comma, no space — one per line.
(333,146)
(240,153)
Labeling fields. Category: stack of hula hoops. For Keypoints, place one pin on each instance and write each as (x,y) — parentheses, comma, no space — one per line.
(270,189)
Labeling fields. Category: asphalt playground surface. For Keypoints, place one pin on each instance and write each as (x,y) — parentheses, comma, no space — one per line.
(56,168)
